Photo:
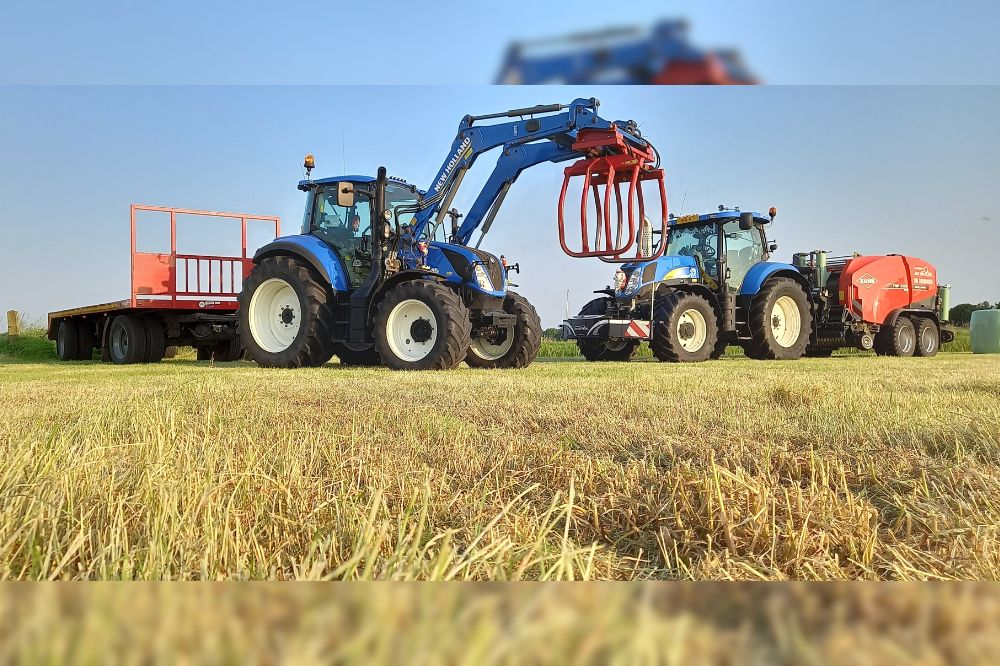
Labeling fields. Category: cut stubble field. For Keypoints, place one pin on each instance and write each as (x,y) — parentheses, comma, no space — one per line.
(851,467)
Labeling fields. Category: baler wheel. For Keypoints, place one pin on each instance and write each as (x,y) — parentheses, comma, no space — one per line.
(360,355)
(780,321)
(900,339)
(928,338)
(685,328)
(286,315)
(618,349)
(515,352)
(422,325)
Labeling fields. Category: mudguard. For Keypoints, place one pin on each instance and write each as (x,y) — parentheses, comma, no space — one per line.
(312,250)
(759,274)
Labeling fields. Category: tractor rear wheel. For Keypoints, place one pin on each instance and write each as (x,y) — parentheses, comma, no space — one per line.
(521,345)
(422,325)
(928,337)
(900,339)
(685,328)
(127,340)
(611,349)
(286,315)
(360,355)
(780,321)
(67,348)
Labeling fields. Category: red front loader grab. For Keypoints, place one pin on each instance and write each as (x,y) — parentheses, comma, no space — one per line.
(613,162)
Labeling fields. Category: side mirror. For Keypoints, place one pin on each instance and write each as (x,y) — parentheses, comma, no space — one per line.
(345,195)
(746,221)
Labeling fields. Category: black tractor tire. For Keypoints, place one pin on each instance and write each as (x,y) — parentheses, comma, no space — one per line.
(527,337)
(357,355)
(671,326)
(85,341)
(156,340)
(446,337)
(67,341)
(618,349)
(762,344)
(127,340)
(720,348)
(313,344)
(900,339)
(928,337)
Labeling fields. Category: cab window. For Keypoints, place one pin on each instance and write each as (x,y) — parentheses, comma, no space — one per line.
(744,248)
(344,228)
(700,241)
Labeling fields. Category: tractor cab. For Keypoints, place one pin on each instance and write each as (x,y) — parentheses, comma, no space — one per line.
(715,249)
(346,225)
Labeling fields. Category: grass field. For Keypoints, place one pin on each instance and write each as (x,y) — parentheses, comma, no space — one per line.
(851,467)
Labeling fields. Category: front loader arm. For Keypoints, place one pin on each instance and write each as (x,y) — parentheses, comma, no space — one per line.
(525,143)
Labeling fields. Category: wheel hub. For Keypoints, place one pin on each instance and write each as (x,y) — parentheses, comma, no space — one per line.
(287,315)
(686,330)
(421,330)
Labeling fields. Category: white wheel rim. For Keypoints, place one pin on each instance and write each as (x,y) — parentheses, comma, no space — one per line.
(400,330)
(907,341)
(616,344)
(275,315)
(927,339)
(786,321)
(488,351)
(698,330)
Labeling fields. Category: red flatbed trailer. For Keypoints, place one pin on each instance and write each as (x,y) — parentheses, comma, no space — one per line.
(175,299)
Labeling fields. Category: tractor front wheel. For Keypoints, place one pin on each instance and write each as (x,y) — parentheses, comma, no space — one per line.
(520,345)
(685,328)
(611,349)
(422,325)
(286,316)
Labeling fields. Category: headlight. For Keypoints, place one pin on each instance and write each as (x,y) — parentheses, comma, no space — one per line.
(633,281)
(482,278)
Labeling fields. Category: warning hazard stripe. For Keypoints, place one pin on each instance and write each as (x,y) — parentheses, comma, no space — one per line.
(637,329)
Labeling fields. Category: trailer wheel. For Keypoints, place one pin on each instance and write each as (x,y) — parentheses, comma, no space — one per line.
(127,340)
(928,338)
(520,347)
(900,339)
(685,328)
(156,340)
(67,341)
(422,325)
(780,321)
(85,341)
(612,349)
(359,355)
(286,315)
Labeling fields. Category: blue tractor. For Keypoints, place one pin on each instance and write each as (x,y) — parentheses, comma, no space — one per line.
(713,286)
(383,273)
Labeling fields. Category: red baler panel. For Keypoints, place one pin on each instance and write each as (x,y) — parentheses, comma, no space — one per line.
(872,287)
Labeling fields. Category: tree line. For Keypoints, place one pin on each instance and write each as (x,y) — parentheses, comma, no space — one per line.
(961,314)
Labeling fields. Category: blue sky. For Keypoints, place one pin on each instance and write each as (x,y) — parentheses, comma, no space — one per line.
(874,169)
(459,42)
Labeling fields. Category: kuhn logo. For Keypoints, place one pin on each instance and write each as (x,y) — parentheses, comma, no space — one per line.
(452,163)
(866,280)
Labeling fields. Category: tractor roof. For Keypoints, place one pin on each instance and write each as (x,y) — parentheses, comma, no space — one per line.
(306,184)
(721,216)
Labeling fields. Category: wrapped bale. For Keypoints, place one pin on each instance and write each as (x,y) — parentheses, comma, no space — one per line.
(984,332)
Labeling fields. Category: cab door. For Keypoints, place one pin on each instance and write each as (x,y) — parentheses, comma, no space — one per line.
(743,249)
